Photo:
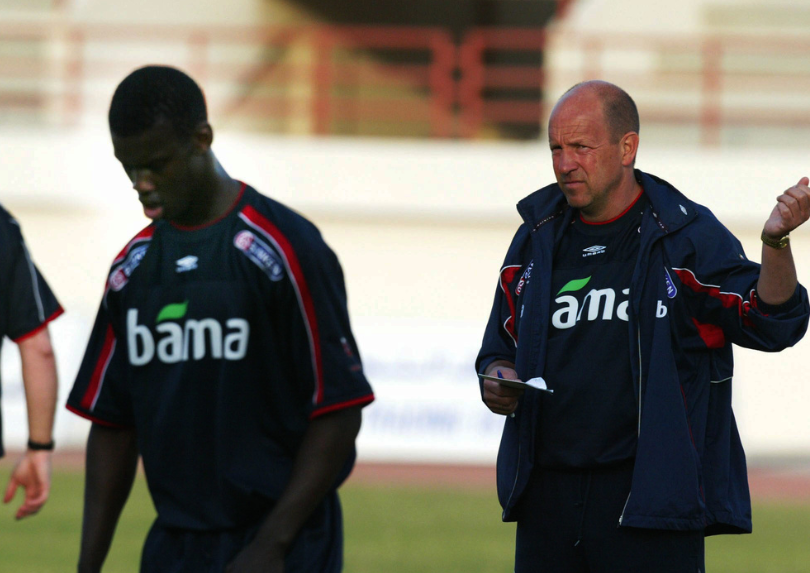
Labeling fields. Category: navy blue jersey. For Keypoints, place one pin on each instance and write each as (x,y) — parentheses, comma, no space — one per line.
(218,344)
(591,418)
(27,304)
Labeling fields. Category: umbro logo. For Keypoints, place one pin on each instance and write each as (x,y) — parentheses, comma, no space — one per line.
(188,263)
(595,250)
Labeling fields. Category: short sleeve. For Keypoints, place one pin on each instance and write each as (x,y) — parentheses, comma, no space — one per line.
(28,304)
(100,392)
(322,332)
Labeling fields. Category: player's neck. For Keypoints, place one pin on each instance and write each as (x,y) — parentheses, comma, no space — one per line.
(619,201)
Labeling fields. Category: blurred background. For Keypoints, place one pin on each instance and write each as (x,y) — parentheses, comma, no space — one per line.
(407,131)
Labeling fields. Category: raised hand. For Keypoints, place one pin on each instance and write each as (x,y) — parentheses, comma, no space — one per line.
(791,210)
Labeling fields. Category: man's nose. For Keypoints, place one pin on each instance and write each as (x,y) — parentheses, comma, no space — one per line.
(565,162)
(141,180)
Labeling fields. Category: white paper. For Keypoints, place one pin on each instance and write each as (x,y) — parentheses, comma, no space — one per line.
(538,383)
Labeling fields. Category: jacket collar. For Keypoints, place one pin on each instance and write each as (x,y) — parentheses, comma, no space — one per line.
(671,209)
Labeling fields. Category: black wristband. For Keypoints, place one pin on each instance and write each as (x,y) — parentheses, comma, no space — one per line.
(39,446)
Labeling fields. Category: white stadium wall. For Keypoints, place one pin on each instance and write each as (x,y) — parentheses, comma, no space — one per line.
(421,229)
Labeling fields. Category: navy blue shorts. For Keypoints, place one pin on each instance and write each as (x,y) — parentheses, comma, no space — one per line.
(569,523)
(318,547)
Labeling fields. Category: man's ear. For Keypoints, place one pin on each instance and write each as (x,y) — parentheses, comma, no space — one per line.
(203,136)
(629,147)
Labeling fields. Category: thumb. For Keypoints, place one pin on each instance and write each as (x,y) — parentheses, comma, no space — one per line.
(804,181)
(10,491)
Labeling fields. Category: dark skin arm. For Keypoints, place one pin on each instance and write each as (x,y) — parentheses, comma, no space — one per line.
(327,444)
(112,458)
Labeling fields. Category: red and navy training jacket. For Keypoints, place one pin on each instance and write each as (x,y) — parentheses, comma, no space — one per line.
(693,295)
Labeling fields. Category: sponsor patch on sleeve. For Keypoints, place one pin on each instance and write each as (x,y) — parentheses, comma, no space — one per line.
(260,253)
(120,276)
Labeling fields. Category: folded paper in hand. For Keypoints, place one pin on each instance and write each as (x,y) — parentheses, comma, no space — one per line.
(537,383)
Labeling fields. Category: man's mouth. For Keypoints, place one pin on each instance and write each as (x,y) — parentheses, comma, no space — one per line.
(152,210)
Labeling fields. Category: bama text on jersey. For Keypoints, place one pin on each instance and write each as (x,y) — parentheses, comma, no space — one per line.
(570,310)
(174,339)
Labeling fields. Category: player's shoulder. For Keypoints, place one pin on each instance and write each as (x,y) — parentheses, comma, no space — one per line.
(130,257)
(282,223)
(8,224)
(10,232)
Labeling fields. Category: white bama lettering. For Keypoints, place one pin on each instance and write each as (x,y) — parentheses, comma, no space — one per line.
(594,299)
(236,342)
(196,329)
(565,317)
(621,310)
(181,342)
(136,333)
(170,348)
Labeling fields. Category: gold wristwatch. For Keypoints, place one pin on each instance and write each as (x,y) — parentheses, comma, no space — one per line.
(776,243)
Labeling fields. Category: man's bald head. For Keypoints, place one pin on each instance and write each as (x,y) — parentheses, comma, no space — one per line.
(619,109)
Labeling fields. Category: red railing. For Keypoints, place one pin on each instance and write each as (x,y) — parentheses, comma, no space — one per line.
(332,79)
(717,84)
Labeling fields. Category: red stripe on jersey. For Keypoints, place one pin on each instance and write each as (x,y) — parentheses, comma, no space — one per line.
(617,217)
(341,406)
(507,276)
(93,418)
(256,220)
(145,233)
(727,299)
(42,326)
(88,401)
(711,334)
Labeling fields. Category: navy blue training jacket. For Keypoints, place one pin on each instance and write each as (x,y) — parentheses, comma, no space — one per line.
(693,295)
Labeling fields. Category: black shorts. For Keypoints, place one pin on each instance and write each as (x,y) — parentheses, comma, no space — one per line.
(569,523)
(318,547)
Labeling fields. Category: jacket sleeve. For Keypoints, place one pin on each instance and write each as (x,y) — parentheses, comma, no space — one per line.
(501,334)
(718,283)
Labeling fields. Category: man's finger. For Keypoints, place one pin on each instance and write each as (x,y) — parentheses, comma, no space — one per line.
(27,511)
(501,390)
(10,491)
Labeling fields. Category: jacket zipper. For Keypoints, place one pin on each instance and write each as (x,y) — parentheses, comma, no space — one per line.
(623,509)
(638,431)
(640,377)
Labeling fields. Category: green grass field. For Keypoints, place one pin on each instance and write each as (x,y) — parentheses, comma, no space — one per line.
(388,529)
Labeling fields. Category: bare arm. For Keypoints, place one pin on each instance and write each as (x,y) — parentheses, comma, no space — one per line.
(777,279)
(112,457)
(327,444)
(33,470)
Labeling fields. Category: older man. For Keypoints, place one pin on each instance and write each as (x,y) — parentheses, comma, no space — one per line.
(624,298)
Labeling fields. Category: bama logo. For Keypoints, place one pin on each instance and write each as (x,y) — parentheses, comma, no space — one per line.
(260,253)
(174,341)
(601,304)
